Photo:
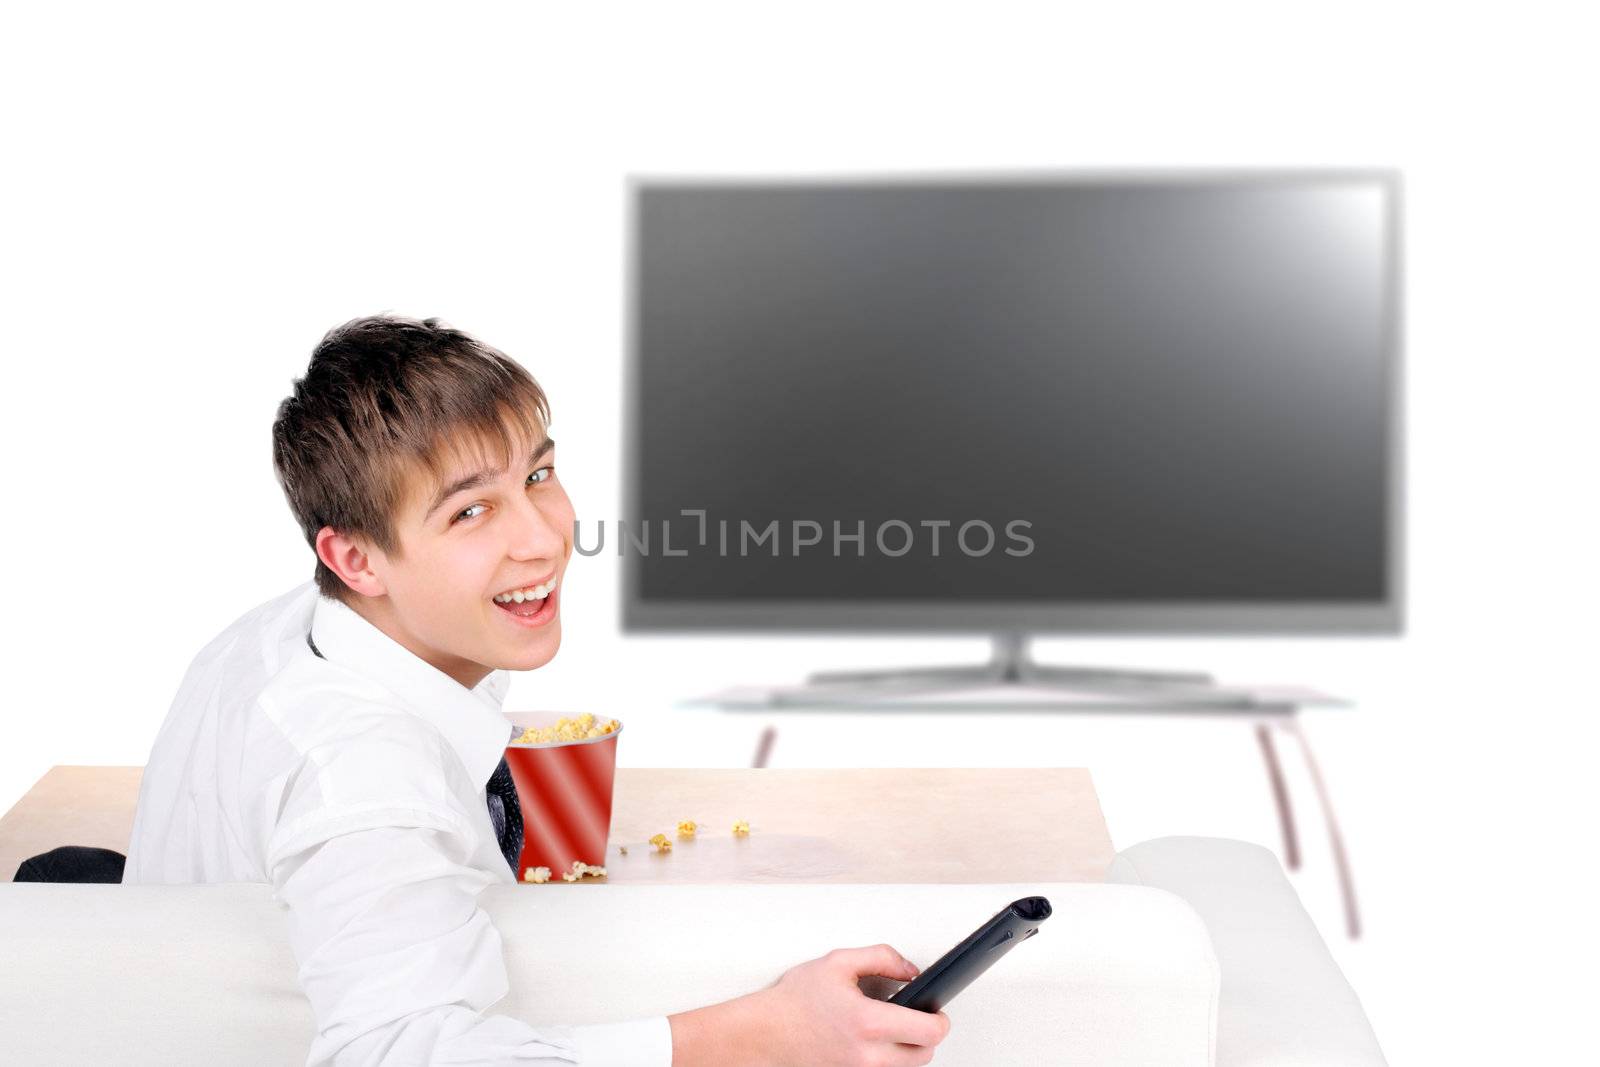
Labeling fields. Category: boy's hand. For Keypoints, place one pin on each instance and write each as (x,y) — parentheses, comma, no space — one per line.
(814,1016)
(817,1015)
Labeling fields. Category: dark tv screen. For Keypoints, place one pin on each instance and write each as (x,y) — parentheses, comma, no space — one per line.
(1150,391)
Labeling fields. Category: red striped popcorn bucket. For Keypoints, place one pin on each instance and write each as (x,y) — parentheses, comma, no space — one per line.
(564,789)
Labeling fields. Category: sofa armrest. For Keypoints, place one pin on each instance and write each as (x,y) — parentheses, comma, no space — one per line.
(1284,999)
(135,974)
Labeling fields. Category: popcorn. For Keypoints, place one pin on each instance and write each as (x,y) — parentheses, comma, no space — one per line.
(686,828)
(622,849)
(565,729)
(579,869)
(741,829)
(662,843)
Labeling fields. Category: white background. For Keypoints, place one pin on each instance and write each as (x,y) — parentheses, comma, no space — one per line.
(192,196)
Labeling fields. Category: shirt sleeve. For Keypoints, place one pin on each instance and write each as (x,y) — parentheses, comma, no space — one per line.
(373,851)
(400,964)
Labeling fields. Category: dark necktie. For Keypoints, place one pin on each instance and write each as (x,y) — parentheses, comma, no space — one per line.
(501,795)
(506,814)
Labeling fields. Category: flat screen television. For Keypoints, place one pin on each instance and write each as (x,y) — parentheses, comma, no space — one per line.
(1163,402)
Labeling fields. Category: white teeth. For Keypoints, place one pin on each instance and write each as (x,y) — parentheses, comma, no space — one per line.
(538,592)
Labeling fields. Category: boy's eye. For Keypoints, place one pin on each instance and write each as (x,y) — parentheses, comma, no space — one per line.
(541,475)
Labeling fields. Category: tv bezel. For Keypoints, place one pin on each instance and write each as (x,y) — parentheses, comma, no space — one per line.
(1383,617)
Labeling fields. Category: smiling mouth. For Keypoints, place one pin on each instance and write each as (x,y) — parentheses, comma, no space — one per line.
(530,611)
(536,591)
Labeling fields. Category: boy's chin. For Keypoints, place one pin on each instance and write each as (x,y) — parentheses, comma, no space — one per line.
(537,651)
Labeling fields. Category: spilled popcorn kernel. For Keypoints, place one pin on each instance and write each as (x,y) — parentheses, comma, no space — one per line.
(536,874)
(579,869)
(741,829)
(565,729)
(662,843)
(686,828)
(622,849)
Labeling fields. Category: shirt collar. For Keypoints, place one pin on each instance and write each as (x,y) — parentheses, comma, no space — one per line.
(471,720)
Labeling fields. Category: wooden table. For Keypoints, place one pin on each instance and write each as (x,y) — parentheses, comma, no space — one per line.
(948,824)
(70,806)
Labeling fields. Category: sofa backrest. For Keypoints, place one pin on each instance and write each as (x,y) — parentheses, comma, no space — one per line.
(136,974)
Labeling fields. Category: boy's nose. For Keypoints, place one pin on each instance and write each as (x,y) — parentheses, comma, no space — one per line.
(538,535)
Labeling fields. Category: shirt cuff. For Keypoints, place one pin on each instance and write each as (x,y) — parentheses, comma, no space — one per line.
(634,1043)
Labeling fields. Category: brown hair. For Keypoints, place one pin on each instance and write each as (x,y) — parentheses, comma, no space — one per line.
(384,398)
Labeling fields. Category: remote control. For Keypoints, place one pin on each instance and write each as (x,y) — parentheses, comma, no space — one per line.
(938,985)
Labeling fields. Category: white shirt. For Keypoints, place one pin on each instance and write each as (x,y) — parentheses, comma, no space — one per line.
(354,784)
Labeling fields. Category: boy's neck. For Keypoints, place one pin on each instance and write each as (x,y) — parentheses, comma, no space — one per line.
(379,611)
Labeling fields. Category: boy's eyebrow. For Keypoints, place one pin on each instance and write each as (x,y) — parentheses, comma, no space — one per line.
(484,477)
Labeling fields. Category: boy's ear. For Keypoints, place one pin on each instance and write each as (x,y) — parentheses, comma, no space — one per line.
(348,558)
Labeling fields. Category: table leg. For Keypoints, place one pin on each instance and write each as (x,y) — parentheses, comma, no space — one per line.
(1280,797)
(764,746)
(1352,917)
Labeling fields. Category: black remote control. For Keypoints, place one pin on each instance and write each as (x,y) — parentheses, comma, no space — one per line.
(938,985)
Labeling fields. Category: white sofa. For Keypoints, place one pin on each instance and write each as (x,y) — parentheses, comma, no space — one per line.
(1196,952)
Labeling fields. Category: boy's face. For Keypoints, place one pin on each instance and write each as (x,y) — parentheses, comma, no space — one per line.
(463,541)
